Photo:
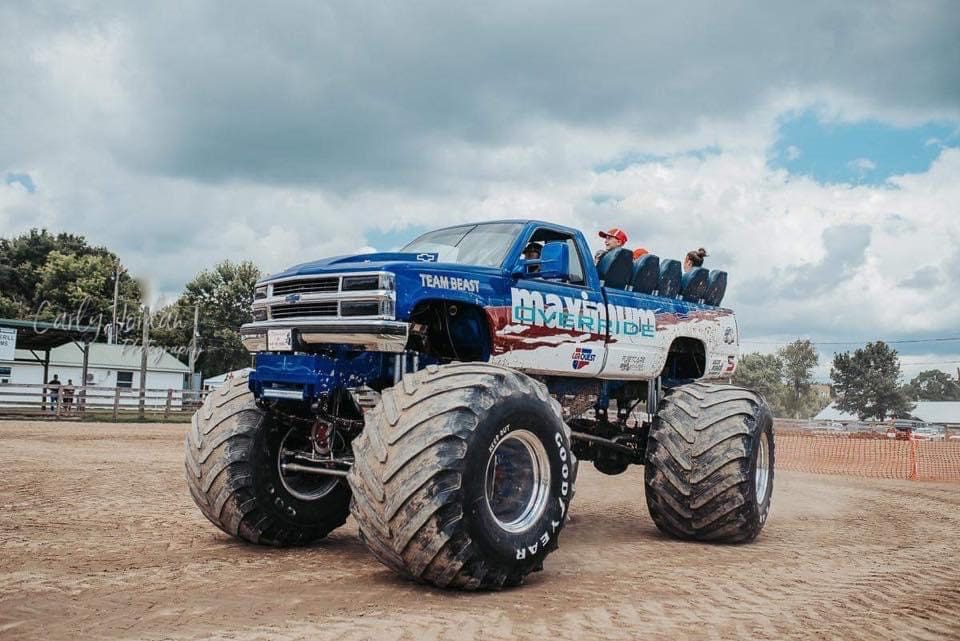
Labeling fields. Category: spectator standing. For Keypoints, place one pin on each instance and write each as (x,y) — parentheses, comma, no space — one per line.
(53,386)
(68,390)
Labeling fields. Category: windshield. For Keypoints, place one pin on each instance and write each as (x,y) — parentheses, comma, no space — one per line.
(483,245)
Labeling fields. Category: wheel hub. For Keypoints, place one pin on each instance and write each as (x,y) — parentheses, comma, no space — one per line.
(297,461)
(517,483)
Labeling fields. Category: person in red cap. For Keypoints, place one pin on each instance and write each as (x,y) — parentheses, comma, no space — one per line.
(612,239)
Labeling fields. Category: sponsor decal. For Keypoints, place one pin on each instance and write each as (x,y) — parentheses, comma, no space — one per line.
(632,363)
(564,312)
(729,336)
(731,364)
(454,283)
(583,356)
(428,258)
(716,366)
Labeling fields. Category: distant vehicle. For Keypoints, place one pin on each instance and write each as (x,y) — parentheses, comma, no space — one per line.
(485,361)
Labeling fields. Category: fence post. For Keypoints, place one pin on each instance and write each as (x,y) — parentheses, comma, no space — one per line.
(166,410)
(913,458)
(116,403)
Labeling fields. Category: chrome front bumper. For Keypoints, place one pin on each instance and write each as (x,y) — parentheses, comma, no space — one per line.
(374,335)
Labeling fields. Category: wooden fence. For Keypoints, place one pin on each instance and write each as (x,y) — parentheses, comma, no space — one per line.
(102,403)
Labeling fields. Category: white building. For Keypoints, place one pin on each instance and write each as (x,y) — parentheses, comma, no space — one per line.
(108,366)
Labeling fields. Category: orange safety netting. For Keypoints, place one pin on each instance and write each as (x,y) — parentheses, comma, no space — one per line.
(873,455)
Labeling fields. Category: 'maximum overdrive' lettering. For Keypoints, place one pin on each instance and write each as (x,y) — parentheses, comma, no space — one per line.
(565,312)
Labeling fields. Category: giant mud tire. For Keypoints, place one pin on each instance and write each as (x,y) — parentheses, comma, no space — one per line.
(709,463)
(463,476)
(232,471)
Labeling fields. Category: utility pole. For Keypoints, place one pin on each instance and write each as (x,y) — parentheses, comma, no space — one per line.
(193,344)
(143,359)
(116,296)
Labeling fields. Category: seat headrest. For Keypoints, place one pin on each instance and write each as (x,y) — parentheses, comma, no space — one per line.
(716,287)
(615,268)
(670,274)
(646,274)
(693,286)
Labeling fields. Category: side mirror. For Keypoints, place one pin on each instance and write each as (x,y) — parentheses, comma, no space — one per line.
(553,263)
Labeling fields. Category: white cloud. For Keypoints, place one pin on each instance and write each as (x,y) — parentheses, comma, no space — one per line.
(793,152)
(862,165)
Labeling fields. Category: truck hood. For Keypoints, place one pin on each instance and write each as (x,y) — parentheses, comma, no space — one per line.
(381,261)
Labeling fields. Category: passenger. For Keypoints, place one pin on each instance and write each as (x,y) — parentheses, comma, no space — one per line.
(694,258)
(612,239)
(532,252)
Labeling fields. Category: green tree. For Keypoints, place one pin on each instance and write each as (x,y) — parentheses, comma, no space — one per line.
(223,295)
(867,382)
(46,276)
(933,385)
(763,373)
(799,358)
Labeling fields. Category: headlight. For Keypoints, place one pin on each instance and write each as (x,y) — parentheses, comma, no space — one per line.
(383,307)
(360,283)
(260,291)
(368,282)
(260,314)
(359,308)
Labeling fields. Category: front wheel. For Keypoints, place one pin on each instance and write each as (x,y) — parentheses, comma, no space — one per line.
(709,463)
(242,471)
(463,476)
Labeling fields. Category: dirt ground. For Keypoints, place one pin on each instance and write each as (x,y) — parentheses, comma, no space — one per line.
(100,540)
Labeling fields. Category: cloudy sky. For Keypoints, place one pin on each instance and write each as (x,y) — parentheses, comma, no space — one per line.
(812,147)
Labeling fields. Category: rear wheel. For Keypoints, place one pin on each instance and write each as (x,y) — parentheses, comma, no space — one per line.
(244,469)
(709,463)
(463,476)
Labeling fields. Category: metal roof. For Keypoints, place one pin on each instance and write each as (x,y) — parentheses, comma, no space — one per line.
(104,356)
(40,335)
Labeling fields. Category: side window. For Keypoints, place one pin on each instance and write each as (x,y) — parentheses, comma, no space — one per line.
(575,268)
(125,379)
(5,374)
(575,264)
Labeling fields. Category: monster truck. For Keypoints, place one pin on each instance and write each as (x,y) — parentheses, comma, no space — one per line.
(444,395)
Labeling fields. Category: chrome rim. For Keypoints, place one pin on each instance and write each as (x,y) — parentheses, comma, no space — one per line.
(297,447)
(517,485)
(763,468)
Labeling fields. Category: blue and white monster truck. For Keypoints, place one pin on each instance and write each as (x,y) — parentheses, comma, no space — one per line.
(444,395)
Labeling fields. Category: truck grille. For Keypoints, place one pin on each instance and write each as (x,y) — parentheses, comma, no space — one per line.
(307,286)
(326,308)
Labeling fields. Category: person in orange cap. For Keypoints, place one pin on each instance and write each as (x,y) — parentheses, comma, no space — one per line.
(612,239)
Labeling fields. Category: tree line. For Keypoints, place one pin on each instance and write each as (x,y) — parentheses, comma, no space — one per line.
(865,382)
(56,277)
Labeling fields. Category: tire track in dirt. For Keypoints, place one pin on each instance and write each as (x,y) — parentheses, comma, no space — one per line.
(99,540)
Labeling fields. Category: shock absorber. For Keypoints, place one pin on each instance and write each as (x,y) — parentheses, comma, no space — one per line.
(320,435)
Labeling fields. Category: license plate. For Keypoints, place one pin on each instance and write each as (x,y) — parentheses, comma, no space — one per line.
(280,340)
